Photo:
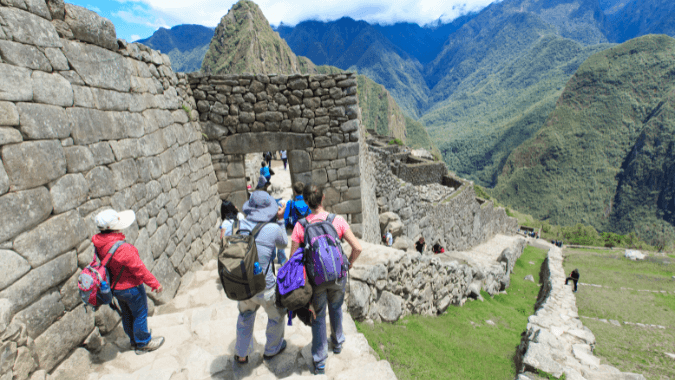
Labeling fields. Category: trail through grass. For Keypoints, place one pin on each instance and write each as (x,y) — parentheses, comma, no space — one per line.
(460,344)
(629,348)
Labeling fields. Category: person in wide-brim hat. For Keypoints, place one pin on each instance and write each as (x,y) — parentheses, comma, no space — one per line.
(261,207)
(128,276)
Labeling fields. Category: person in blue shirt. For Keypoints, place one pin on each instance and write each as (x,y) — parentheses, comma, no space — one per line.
(296,208)
(265,171)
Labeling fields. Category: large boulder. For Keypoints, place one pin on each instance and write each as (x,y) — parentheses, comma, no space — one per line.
(63,336)
(387,218)
(634,255)
(90,27)
(389,307)
(167,276)
(359,299)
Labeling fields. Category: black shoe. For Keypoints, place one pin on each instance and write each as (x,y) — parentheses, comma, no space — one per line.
(319,371)
(283,347)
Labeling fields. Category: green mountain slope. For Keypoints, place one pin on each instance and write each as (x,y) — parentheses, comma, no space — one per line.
(186,45)
(480,124)
(605,155)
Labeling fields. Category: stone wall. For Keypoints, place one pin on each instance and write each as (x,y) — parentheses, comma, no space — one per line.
(457,221)
(88,122)
(387,284)
(315,118)
(556,341)
(418,171)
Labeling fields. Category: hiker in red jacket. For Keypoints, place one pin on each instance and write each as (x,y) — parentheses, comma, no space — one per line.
(127,274)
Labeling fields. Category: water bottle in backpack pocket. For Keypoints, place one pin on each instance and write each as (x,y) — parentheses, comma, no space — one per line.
(325,259)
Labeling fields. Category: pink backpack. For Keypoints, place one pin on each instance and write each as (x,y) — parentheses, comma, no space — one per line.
(94,280)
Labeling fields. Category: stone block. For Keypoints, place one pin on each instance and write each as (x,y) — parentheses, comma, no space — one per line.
(106,319)
(8,351)
(12,266)
(4,180)
(348,172)
(244,143)
(350,126)
(389,307)
(348,207)
(40,122)
(40,315)
(69,192)
(57,60)
(9,135)
(30,29)
(322,154)
(79,159)
(299,161)
(63,336)
(70,294)
(101,182)
(90,27)
(232,185)
(24,55)
(125,174)
(348,150)
(51,238)
(236,170)
(24,364)
(167,276)
(159,240)
(102,153)
(87,126)
(16,84)
(52,89)
(352,193)
(34,163)
(26,290)
(23,210)
(153,144)
(97,66)
(319,177)
(9,115)
(359,299)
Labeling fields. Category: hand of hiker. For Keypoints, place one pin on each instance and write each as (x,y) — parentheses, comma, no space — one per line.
(280,212)
(159,289)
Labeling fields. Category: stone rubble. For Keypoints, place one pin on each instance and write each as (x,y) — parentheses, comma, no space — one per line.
(556,341)
(199,325)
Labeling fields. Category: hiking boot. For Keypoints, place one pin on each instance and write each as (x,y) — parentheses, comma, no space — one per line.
(154,344)
(319,371)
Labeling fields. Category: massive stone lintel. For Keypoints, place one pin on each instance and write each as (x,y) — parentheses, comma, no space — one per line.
(266,141)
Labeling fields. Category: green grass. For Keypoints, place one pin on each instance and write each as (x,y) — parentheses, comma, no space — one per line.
(460,344)
(629,348)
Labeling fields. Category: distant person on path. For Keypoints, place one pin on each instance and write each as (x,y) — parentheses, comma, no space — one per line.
(296,208)
(421,246)
(574,276)
(129,275)
(284,158)
(265,171)
(263,183)
(262,208)
(438,249)
(268,158)
(228,213)
(327,295)
(389,238)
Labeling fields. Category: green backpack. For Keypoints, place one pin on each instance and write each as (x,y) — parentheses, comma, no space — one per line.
(236,264)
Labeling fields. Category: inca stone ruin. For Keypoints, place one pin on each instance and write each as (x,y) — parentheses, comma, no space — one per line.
(89,122)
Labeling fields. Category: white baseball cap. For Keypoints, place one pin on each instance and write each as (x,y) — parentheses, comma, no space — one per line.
(113,220)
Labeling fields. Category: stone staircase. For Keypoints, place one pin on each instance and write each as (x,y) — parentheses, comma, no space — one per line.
(199,325)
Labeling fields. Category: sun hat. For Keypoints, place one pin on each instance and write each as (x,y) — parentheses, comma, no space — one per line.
(261,208)
(262,181)
(113,220)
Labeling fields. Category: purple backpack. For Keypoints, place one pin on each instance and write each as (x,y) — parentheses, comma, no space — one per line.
(325,260)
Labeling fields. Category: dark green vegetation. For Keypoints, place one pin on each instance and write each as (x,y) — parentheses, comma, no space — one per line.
(186,45)
(629,348)
(605,156)
(460,344)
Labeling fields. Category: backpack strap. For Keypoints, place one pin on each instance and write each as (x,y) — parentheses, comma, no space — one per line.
(330,218)
(235,227)
(111,252)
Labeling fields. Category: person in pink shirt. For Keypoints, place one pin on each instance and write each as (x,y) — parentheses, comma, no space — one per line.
(328,295)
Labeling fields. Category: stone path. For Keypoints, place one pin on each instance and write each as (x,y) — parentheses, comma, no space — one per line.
(199,326)
(623,288)
(614,322)
(483,255)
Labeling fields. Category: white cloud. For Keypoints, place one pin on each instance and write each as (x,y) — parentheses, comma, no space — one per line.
(209,12)
(134,37)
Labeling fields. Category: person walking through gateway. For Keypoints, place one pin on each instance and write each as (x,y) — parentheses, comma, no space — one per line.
(574,276)
(284,158)
(265,171)
(128,274)
(328,295)
(262,208)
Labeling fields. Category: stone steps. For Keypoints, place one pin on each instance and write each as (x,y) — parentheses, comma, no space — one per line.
(199,325)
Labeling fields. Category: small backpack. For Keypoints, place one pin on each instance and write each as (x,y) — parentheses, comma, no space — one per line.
(236,264)
(296,213)
(294,290)
(324,259)
(90,280)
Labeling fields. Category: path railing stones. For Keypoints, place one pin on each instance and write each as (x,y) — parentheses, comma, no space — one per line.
(556,341)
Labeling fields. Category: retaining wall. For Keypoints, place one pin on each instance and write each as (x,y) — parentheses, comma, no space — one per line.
(419,171)
(88,122)
(556,341)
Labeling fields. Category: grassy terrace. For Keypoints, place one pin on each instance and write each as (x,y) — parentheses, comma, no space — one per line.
(628,347)
(460,344)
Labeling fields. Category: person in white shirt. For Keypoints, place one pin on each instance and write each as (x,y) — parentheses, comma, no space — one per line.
(284,158)
(228,213)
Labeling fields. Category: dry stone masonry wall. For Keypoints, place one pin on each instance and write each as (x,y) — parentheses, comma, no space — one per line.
(556,341)
(88,122)
(450,216)
(315,118)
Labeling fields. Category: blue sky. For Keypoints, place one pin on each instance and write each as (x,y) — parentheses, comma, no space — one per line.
(136,19)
